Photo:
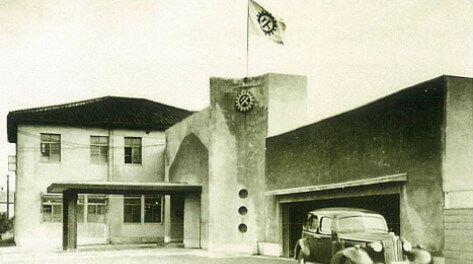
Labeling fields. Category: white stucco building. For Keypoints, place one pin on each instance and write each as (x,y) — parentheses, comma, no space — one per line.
(95,140)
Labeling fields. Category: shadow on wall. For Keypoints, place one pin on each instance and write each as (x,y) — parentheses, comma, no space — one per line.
(191,164)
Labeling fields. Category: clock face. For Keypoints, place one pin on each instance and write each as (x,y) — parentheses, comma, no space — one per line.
(244,101)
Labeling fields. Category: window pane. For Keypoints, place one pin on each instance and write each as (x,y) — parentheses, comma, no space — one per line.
(50,147)
(132,209)
(80,213)
(152,209)
(47,213)
(132,213)
(96,214)
(57,213)
(326,225)
(127,154)
(94,140)
(98,149)
(137,141)
(137,155)
(45,149)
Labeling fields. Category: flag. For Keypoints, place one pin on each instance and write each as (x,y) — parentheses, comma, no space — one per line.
(263,23)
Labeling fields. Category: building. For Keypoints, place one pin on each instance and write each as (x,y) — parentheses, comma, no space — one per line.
(235,180)
(407,155)
(109,139)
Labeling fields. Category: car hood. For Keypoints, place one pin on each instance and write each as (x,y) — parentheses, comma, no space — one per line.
(363,236)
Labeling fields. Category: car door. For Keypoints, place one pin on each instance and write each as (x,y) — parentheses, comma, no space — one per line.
(323,249)
(312,228)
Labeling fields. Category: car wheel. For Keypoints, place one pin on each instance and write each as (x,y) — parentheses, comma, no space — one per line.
(301,258)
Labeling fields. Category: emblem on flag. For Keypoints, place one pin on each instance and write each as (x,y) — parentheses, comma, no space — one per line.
(267,22)
(264,23)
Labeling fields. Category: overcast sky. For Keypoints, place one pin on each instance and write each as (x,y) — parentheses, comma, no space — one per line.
(353,52)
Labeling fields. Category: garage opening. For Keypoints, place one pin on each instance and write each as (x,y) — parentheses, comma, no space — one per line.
(387,205)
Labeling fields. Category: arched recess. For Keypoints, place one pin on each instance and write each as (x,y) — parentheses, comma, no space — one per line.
(190,165)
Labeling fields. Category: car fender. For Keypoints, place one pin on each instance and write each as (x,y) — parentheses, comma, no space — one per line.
(303,246)
(420,256)
(355,254)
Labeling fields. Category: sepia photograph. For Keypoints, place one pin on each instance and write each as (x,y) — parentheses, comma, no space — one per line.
(236,131)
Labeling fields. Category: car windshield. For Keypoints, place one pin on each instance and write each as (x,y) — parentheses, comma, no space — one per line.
(362,224)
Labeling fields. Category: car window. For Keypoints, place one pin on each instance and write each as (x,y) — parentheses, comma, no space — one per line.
(362,224)
(314,224)
(326,225)
(308,222)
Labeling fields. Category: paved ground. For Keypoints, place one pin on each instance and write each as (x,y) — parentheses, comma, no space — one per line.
(141,255)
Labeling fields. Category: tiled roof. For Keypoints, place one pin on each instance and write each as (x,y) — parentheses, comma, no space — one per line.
(109,111)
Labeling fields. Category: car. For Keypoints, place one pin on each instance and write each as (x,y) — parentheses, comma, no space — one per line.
(353,235)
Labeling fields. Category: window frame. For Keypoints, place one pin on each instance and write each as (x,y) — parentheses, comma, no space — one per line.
(135,148)
(142,210)
(314,220)
(321,225)
(99,146)
(48,145)
(55,200)
(132,205)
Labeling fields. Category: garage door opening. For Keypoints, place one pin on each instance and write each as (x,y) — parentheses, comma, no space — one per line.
(387,205)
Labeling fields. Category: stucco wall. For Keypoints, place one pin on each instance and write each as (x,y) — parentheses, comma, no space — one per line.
(34,176)
(458,171)
(187,160)
(235,144)
(458,165)
(397,134)
(287,103)
(237,163)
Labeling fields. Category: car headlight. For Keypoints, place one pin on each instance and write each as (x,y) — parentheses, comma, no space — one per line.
(376,246)
(407,246)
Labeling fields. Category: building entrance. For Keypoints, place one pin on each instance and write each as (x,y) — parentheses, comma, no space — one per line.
(387,205)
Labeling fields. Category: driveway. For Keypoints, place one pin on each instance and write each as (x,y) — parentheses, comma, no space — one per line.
(130,256)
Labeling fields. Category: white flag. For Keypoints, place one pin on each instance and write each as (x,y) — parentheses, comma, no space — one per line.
(264,23)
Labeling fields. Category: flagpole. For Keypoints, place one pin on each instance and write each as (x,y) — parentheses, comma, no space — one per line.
(247,33)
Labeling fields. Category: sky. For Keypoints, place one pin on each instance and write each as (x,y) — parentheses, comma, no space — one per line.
(352,52)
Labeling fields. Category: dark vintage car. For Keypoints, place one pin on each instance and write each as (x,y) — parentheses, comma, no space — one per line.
(352,235)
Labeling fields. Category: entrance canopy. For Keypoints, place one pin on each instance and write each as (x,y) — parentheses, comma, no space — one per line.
(70,191)
(123,187)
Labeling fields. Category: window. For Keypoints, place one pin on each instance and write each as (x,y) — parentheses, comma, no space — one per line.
(50,147)
(96,209)
(132,209)
(98,149)
(153,209)
(52,208)
(326,225)
(150,207)
(80,209)
(315,224)
(133,150)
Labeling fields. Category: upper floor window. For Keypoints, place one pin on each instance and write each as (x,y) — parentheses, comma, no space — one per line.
(50,147)
(133,150)
(98,149)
